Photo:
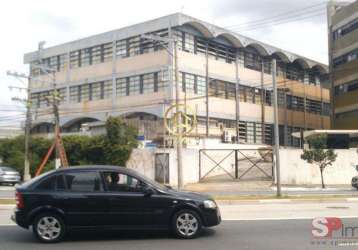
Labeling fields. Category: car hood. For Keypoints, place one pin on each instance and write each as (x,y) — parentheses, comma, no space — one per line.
(188,195)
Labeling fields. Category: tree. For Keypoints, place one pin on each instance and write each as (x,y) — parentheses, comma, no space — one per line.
(119,142)
(113,148)
(318,154)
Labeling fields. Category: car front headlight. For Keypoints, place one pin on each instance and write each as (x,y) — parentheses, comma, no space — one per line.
(210,204)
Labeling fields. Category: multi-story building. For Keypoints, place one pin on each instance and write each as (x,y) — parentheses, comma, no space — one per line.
(121,73)
(343,55)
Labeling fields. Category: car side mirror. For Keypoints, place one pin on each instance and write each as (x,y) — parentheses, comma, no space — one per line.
(168,186)
(148,191)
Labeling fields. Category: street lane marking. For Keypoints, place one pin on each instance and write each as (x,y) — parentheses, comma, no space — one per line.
(352,199)
(274,200)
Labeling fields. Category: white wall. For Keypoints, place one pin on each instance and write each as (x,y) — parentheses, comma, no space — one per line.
(296,171)
(143,161)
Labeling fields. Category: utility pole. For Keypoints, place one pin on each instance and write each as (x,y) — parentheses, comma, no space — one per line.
(276,130)
(237,99)
(207,80)
(55,103)
(27,102)
(173,51)
(178,120)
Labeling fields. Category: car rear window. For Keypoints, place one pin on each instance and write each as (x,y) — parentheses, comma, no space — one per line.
(83,181)
(54,182)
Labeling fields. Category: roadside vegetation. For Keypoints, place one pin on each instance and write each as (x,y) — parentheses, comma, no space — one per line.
(113,148)
(318,154)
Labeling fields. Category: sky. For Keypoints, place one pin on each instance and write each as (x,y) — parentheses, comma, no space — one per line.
(24,23)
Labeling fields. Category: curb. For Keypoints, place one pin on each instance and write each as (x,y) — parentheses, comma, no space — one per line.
(285,201)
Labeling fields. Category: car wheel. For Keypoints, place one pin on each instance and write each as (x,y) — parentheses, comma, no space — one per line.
(186,224)
(49,228)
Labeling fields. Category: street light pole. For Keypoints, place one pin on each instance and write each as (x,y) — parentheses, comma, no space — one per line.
(276,129)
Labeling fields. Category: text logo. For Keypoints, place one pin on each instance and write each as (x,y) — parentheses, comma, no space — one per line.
(323,227)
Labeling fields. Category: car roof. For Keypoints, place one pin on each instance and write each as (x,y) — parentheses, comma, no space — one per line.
(96,167)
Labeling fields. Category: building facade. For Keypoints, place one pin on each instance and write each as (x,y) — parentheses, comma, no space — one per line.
(343,54)
(223,76)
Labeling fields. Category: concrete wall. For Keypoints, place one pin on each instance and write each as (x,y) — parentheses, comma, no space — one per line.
(143,161)
(295,171)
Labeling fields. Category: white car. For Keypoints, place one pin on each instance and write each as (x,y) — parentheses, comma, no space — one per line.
(9,176)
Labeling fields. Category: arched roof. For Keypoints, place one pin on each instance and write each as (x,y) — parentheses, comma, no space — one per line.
(282,56)
(232,39)
(202,28)
(239,41)
(261,49)
(78,119)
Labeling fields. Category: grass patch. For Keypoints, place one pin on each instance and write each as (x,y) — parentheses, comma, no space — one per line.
(7,201)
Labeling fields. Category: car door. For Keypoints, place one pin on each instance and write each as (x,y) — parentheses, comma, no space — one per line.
(86,205)
(130,206)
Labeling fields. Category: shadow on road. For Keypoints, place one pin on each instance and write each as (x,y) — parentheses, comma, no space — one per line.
(20,236)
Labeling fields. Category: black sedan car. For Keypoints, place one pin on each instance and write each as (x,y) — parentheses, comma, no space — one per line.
(108,197)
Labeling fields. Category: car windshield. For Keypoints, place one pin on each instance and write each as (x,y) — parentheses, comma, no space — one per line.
(7,169)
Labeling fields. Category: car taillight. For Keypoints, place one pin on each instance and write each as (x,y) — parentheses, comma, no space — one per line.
(19,200)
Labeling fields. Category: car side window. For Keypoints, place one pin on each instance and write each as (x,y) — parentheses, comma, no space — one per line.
(51,183)
(119,182)
(83,181)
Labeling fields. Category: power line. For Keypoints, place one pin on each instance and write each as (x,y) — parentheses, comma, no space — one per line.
(279,20)
(276,16)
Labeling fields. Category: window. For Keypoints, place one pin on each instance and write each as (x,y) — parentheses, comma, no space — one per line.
(96,91)
(346,87)
(134,46)
(52,183)
(85,92)
(121,86)
(148,83)
(326,109)
(188,83)
(107,89)
(83,181)
(295,103)
(162,79)
(122,48)
(86,57)
(251,59)
(350,56)
(118,182)
(75,59)
(106,52)
(201,85)
(134,85)
(345,29)
(188,43)
(313,106)
(75,94)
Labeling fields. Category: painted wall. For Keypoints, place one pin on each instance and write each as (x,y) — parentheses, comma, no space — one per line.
(295,171)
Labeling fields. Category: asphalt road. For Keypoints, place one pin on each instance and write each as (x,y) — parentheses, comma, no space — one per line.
(268,235)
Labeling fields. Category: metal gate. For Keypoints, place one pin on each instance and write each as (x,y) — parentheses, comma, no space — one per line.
(162,167)
(240,164)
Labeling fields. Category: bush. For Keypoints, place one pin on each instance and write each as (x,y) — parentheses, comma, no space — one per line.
(114,148)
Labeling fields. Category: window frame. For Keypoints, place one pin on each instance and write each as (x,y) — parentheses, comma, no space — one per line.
(105,186)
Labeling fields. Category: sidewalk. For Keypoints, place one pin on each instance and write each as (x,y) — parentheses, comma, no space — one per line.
(266,188)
